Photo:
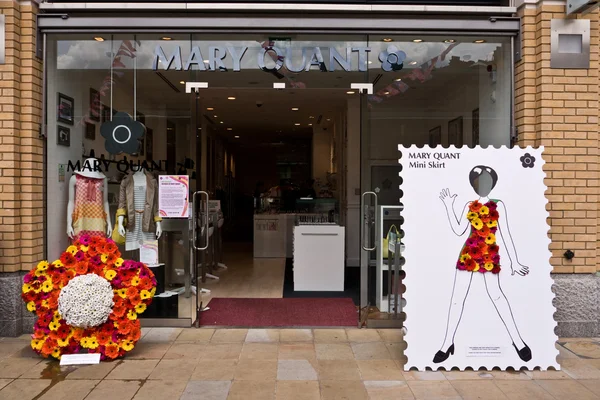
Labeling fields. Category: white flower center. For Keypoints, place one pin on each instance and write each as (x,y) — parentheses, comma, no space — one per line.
(86,301)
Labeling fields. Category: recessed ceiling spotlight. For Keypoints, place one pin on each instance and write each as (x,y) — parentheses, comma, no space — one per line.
(99,39)
(166,38)
(229,129)
(297,124)
(479,41)
(295,108)
(398,79)
(328,119)
(386,93)
(309,124)
(311,117)
(387,39)
(417,40)
(215,116)
(413,63)
(231,98)
(348,92)
(209,108)
(449,41)
(221,122)
(237,137)
(182,82)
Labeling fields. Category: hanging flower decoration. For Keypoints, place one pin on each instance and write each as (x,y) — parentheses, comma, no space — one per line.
(480,252)
(88,299)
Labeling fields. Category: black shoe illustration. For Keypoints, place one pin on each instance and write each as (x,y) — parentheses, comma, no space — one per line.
(440,356)
(524,353)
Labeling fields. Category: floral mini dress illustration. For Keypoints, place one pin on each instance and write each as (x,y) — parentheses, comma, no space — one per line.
(480,252)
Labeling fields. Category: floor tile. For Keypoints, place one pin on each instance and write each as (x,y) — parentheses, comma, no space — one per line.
(194,335)
(162,335)
(424,376)
(523,390)
(297,351)
(190,351)
(114,390)
(24,389)
(148,351)
(338,370)
(98,371)
(438,390)
(248,390)
(298,390)
(330,335)
(386,390)
(296,370)
(4,382)
(327,351)
(222,352)
(379,370)
(133,369)
(343,390)
(579,369)
(510,375)
(47,369)
(592,384)
(214,370)
(206,390)
(566,389)
(396,350)
(260,351)
(262,335)
(467,375)
(547,375)
(563,352)
(363,335)
(296,335)
(9,348)
(160,390)
(480,389)
(371,351)
(13,367)
(391,335)
(174,370)
(256,370)
(70,390)
(229,336)
(584,349)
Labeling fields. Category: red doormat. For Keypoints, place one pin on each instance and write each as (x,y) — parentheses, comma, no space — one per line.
(280,312)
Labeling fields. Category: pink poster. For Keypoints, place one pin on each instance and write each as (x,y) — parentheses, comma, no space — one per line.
(173,196)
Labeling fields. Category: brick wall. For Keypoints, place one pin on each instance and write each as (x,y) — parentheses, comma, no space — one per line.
(21,158)
(558,109)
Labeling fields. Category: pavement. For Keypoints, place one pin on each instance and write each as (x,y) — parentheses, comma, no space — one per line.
(284,364)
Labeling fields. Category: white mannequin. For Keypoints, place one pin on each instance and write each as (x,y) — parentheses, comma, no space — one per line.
(87,171)
(138,177)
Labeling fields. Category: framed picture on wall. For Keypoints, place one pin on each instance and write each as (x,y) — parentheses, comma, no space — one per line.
(90,131)
(149,144)
(66,109)
(475,130)
(95,105)
(63,136)
(106,113)
(435,136)
(455,132)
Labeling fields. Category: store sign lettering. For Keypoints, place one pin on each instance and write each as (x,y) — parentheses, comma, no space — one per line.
(311,57)
(123,166)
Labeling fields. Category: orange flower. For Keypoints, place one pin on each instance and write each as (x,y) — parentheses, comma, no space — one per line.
(475,206)
(78,333)
(136,332)
(119,311)
(131,292)
(145,284)
(110,248)
(135,300)
(49,346)
(484,232)
(111,351)
(125,328)
(103,338)
(81,268)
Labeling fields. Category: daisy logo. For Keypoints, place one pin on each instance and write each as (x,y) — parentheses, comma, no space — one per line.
(122,134)
(527,161)
(392,59)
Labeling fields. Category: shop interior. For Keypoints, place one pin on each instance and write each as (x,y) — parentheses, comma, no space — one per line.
(285,164)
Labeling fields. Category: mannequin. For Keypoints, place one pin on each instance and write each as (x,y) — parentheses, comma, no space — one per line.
(88,210)
(135,199)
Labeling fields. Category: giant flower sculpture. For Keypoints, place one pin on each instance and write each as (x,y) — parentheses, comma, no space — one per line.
(88,299)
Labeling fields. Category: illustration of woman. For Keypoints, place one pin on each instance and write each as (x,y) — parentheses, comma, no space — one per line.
(481,255)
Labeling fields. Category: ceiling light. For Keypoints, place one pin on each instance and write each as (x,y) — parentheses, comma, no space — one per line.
(297,124)
(479,41)
(231,98)
(182,82)
(221,122)
(309,124)
(349,92)
(328,119)
(449,41)
(99,39)
(229,129)
(237,137)
(417,40)
(370,62)
(215,116)
(413,63)
(209,108)
(386,93)
(165,38)
(295,108)
(387,39)
(398,79)
(311,117)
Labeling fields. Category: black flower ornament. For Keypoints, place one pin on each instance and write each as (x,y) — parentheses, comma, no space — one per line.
(528,161)
(392,59)
(122,134)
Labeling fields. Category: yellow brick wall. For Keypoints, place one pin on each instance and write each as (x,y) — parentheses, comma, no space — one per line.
(21,158)
(558,108)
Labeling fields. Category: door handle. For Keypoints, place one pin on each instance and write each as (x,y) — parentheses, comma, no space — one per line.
(195,221)
(365,220)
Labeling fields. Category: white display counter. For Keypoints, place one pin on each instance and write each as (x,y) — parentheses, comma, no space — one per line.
(319,258)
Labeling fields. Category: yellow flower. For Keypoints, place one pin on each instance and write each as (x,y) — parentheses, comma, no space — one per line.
(472,215)
(63,343)
(45,304)
(84,342)
(110,274)
(490,239)
(72,249)
(477,223)
(40,273)
(135,281)
(38,289)
(489,266)
(464,257)
(31,306)
(127,345)
(26,288)
(131,315)
(492,224)
(484,210)
(37,344)
(144,294)
(122,293)
(42,266)
(57,316)
(140,308)
(58,264)
(56,353)
(119,262)
(47,286)
(153,292)
(476,267)
(93,343)
(54,325)
(85,248)
(104,258)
